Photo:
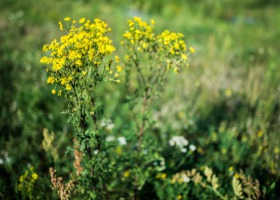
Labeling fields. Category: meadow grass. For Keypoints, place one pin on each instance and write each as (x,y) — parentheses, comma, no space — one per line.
(226,103)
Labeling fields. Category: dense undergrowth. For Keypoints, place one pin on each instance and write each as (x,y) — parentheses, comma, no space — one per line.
(224,108)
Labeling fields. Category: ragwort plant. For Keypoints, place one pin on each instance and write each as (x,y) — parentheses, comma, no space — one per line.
(76,65)
(151,56)
(148,59)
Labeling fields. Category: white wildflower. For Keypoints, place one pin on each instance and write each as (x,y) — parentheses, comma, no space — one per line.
(179,141)
(192,147)
(103,123)
(110,126)
(107,123)
(183,150)
(110,138)
(185,178)
(122,140)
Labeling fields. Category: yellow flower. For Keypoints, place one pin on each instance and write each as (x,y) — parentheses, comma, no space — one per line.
(184,56)
(50,79)
(130,23)
(60,25)
(126,174)
(58,64)
(179,197)
(161,176)
(68,87)
(127,57)
(34,176)
(119,68)
(82,20)
(45,47)
(260,133)
(127,35)
(117,59)
(45,60)
(79,63)
(67,19)
(119,150)
(63,81)
(192,50)
(21,178)
(144,45)
(176,70)
(53,91)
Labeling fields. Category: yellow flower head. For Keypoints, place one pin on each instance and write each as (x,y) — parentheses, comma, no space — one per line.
(179,197)
(34,176)
(260,133)
(68,87)
(119,68)
(192,50)
(82,20)
(184,57)
(60,25)
(126,174)
(117,59)
(51,80)
(83,48)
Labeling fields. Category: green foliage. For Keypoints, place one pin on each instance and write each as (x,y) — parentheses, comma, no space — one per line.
(154,132)
(27,183)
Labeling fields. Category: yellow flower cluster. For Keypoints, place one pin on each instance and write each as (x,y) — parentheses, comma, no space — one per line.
(171,46)
(82,48)
(172,43)
(161,176)
(126,174)
(140,34)
(27,182)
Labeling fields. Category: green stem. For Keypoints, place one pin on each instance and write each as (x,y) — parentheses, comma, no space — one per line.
(143,121)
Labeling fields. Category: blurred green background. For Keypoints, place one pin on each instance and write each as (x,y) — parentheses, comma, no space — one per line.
(227,102)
